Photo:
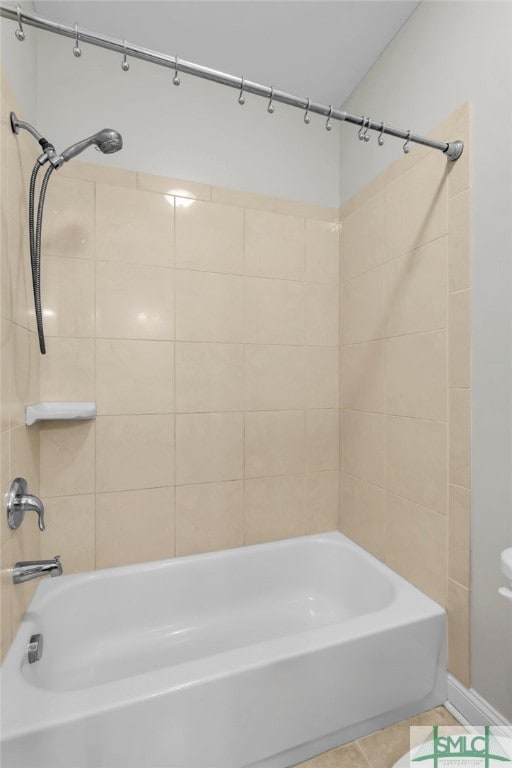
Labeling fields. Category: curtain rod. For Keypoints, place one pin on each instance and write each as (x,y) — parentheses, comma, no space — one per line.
(452,149)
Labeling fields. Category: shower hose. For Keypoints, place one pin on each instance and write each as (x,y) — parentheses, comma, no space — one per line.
(35,231)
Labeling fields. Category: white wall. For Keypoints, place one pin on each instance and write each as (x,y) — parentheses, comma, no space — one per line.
(18,61)
(446,53)
(196,131)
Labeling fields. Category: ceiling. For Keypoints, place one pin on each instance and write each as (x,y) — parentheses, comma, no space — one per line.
(316,48)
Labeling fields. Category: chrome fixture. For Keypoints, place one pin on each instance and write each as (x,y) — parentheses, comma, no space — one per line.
(76,48)
(406,146)
(328,125)
(20,35)
(271,108)
(125,65)
(307,118)
(35,648)
(176,79)
(26,570)
(452,150)
(20,501)
(241,97)
(380,140)
(107,141)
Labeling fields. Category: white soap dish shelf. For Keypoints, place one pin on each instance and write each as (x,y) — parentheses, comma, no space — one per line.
(59,412)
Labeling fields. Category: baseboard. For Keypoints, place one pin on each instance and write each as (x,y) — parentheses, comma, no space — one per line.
(469,708)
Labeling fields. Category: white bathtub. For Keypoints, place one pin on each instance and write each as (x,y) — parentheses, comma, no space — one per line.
(260,656)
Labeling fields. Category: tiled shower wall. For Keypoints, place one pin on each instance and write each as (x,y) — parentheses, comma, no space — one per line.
(405,375)
(19,366)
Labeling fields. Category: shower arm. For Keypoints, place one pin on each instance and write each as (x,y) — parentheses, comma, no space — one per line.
(453,149)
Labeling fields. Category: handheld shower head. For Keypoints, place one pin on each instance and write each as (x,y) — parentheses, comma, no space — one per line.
(107,141)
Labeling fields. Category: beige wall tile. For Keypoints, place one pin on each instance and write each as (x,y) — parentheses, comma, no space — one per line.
(210,237)
(134,302)
(67,371)
(176,187)
(363,237)
(70,532)
(459,173)
(69,219)
(416,375)
(459,534)
(322,251)
(102,174)
(363,307)
(67,458)
(5,279)
(134,452)
(416,545)
(322,440)
(67,292)
(23,369)
(24,456)
(321,314)
(274,443)
(209,377)
(416,210)
(134,376)
(21,295)
(274,311)
(209,517)
(378,184)
(321,501)
(459,335)
(209,307)
(125,534)
(416,287)
(6,330)
(459,241)
(5,481)
(274,508)
(274,377)
(209,447)
(363,516)
(458,632)
(274,245)
(134,226)
(243,199)
(416,461)
(460,437)
(363,445)
(321,377)
(362,376)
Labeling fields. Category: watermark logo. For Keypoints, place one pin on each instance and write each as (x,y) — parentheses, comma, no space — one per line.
(483,747)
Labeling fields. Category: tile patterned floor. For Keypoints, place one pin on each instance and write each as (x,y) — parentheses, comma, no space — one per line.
(381,749)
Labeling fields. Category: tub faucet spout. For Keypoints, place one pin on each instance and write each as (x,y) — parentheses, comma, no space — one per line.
(26,570)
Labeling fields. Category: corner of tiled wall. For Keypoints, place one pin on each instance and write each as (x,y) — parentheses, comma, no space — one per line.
(19,365)
(405,374)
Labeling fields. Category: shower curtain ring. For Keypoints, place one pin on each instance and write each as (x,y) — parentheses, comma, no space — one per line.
(271,108)
(380,140)
(360,131)
(176,78)
(241,98)
(20,34)
(307,118)
(125,66)
(76,48)
(366,135)
(406,146)
(328,124)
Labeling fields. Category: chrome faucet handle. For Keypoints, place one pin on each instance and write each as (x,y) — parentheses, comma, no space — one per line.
(20,501)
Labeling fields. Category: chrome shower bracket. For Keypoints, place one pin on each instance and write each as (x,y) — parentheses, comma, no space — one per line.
(46,146)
